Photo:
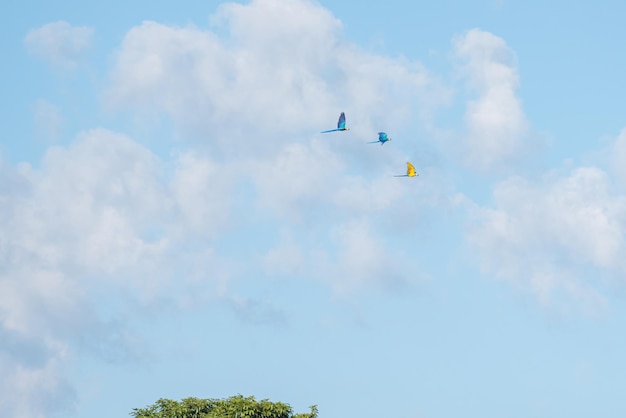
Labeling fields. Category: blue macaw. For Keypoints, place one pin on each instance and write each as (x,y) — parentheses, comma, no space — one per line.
(341,124)
(382,138)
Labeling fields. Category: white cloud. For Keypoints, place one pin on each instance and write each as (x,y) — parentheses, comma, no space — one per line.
(59,43)
(99,215)
(558,236)
(281,70)
(495,120)
(101,192)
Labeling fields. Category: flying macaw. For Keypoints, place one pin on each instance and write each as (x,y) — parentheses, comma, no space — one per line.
(410,171)
(382,138)
(341,124)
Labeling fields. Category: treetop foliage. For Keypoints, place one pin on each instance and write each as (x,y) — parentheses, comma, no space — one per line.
(233,407)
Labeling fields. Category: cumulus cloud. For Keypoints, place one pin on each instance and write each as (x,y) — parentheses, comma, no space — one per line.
(99,215)
(495,120)
(557,237)
(60,43)
(280,69)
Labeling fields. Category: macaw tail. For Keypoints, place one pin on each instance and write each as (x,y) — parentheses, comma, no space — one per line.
(330,130)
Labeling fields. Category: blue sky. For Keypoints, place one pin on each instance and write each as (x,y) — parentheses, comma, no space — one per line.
(174,224)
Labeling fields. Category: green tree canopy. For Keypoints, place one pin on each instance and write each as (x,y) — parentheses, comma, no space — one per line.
(233,407)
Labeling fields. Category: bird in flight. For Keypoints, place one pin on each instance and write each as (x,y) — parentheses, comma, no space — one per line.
(382,138)
(410,171)
(341,124)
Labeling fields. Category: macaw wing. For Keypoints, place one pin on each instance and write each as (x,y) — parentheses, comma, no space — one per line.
(341,124)
(382,136)
(410,170)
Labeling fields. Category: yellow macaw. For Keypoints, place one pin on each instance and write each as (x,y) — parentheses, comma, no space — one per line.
(410,171)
